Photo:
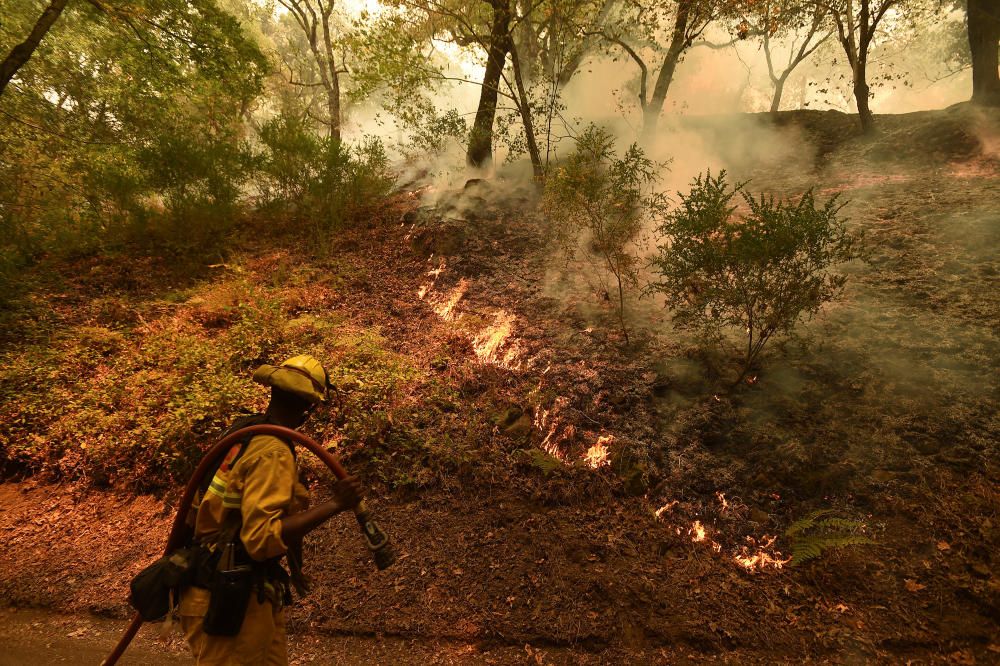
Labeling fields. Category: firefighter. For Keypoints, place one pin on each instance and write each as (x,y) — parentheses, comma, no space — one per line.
(253,513)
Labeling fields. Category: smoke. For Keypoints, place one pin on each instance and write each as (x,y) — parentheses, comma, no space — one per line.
(911,342)
(705,125)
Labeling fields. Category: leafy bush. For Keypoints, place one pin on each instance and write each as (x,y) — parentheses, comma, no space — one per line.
(352,181)
(121,416)
(291,153)
(600,203)
(820,532)
(760,272)
(431,133)
(193,178)
(319,178)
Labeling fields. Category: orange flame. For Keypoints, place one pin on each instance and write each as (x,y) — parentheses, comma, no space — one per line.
(666,507)
(761,559)
(434,274)
(493,344)
(446,309)
(548,421)
(597,455)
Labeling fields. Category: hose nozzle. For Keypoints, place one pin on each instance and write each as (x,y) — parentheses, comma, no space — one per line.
(377,540)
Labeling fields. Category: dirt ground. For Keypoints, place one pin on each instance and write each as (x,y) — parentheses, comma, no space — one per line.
(513,550)
(34,636)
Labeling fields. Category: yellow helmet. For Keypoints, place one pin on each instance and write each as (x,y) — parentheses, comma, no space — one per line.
(303,376)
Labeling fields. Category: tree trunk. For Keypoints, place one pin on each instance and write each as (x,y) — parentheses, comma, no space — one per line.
(861,96)
(526,42)
(779,87)
(678,44)
(856,40)
(480,151)
(333,83)
(22,52)
(333,105)
(860,67)
(524,107)
(984,39)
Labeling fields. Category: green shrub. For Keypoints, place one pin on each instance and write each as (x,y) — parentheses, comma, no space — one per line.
(351,182)
(759,272)
(432,133)
(135,407)
(290,158)
(198,174)
(320,180)
(599,203)
(176,191)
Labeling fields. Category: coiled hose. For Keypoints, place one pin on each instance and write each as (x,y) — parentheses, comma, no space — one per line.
(378,542)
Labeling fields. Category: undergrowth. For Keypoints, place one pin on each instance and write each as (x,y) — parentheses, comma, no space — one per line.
(134,406)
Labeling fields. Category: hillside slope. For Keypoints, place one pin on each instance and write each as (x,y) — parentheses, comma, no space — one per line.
(482,384)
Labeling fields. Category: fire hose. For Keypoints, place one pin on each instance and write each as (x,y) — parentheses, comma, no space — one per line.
(375,538)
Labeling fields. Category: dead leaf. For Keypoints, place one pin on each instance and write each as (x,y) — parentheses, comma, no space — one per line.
(964,657)
(943,546)
(912,585)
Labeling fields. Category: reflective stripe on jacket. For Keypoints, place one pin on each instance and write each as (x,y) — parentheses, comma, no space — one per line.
(263,485)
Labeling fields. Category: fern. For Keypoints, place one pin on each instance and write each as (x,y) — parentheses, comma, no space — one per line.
(819,532)
(806,522)
(838,524)
(541,460)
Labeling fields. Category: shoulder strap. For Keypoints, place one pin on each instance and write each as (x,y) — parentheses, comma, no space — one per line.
(238,424)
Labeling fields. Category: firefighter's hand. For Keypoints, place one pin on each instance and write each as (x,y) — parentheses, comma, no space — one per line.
(347,492)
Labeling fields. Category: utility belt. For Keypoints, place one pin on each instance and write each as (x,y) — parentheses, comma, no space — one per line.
(233,577)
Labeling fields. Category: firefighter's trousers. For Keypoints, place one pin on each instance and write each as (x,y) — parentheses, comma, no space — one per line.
(261,642)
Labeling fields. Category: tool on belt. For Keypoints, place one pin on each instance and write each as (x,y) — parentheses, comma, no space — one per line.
(376,540)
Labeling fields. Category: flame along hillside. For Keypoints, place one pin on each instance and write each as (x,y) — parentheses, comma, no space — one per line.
(545,484)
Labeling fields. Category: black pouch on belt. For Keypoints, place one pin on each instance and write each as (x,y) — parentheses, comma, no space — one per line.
(231,590)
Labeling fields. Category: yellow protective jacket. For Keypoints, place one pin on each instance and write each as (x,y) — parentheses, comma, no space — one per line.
(263,485)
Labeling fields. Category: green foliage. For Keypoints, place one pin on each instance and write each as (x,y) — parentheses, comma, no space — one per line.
(760,272)
(356,178)
(820,532)
(136,407)
(430,133)
(125,124)
(598,204)
(116,417)
(292,150)
(132,407)
(542,461)
(320,179)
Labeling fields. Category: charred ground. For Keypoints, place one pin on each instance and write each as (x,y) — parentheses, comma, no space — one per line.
(480,381)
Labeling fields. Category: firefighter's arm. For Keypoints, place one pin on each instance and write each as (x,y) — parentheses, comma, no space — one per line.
(346,495)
